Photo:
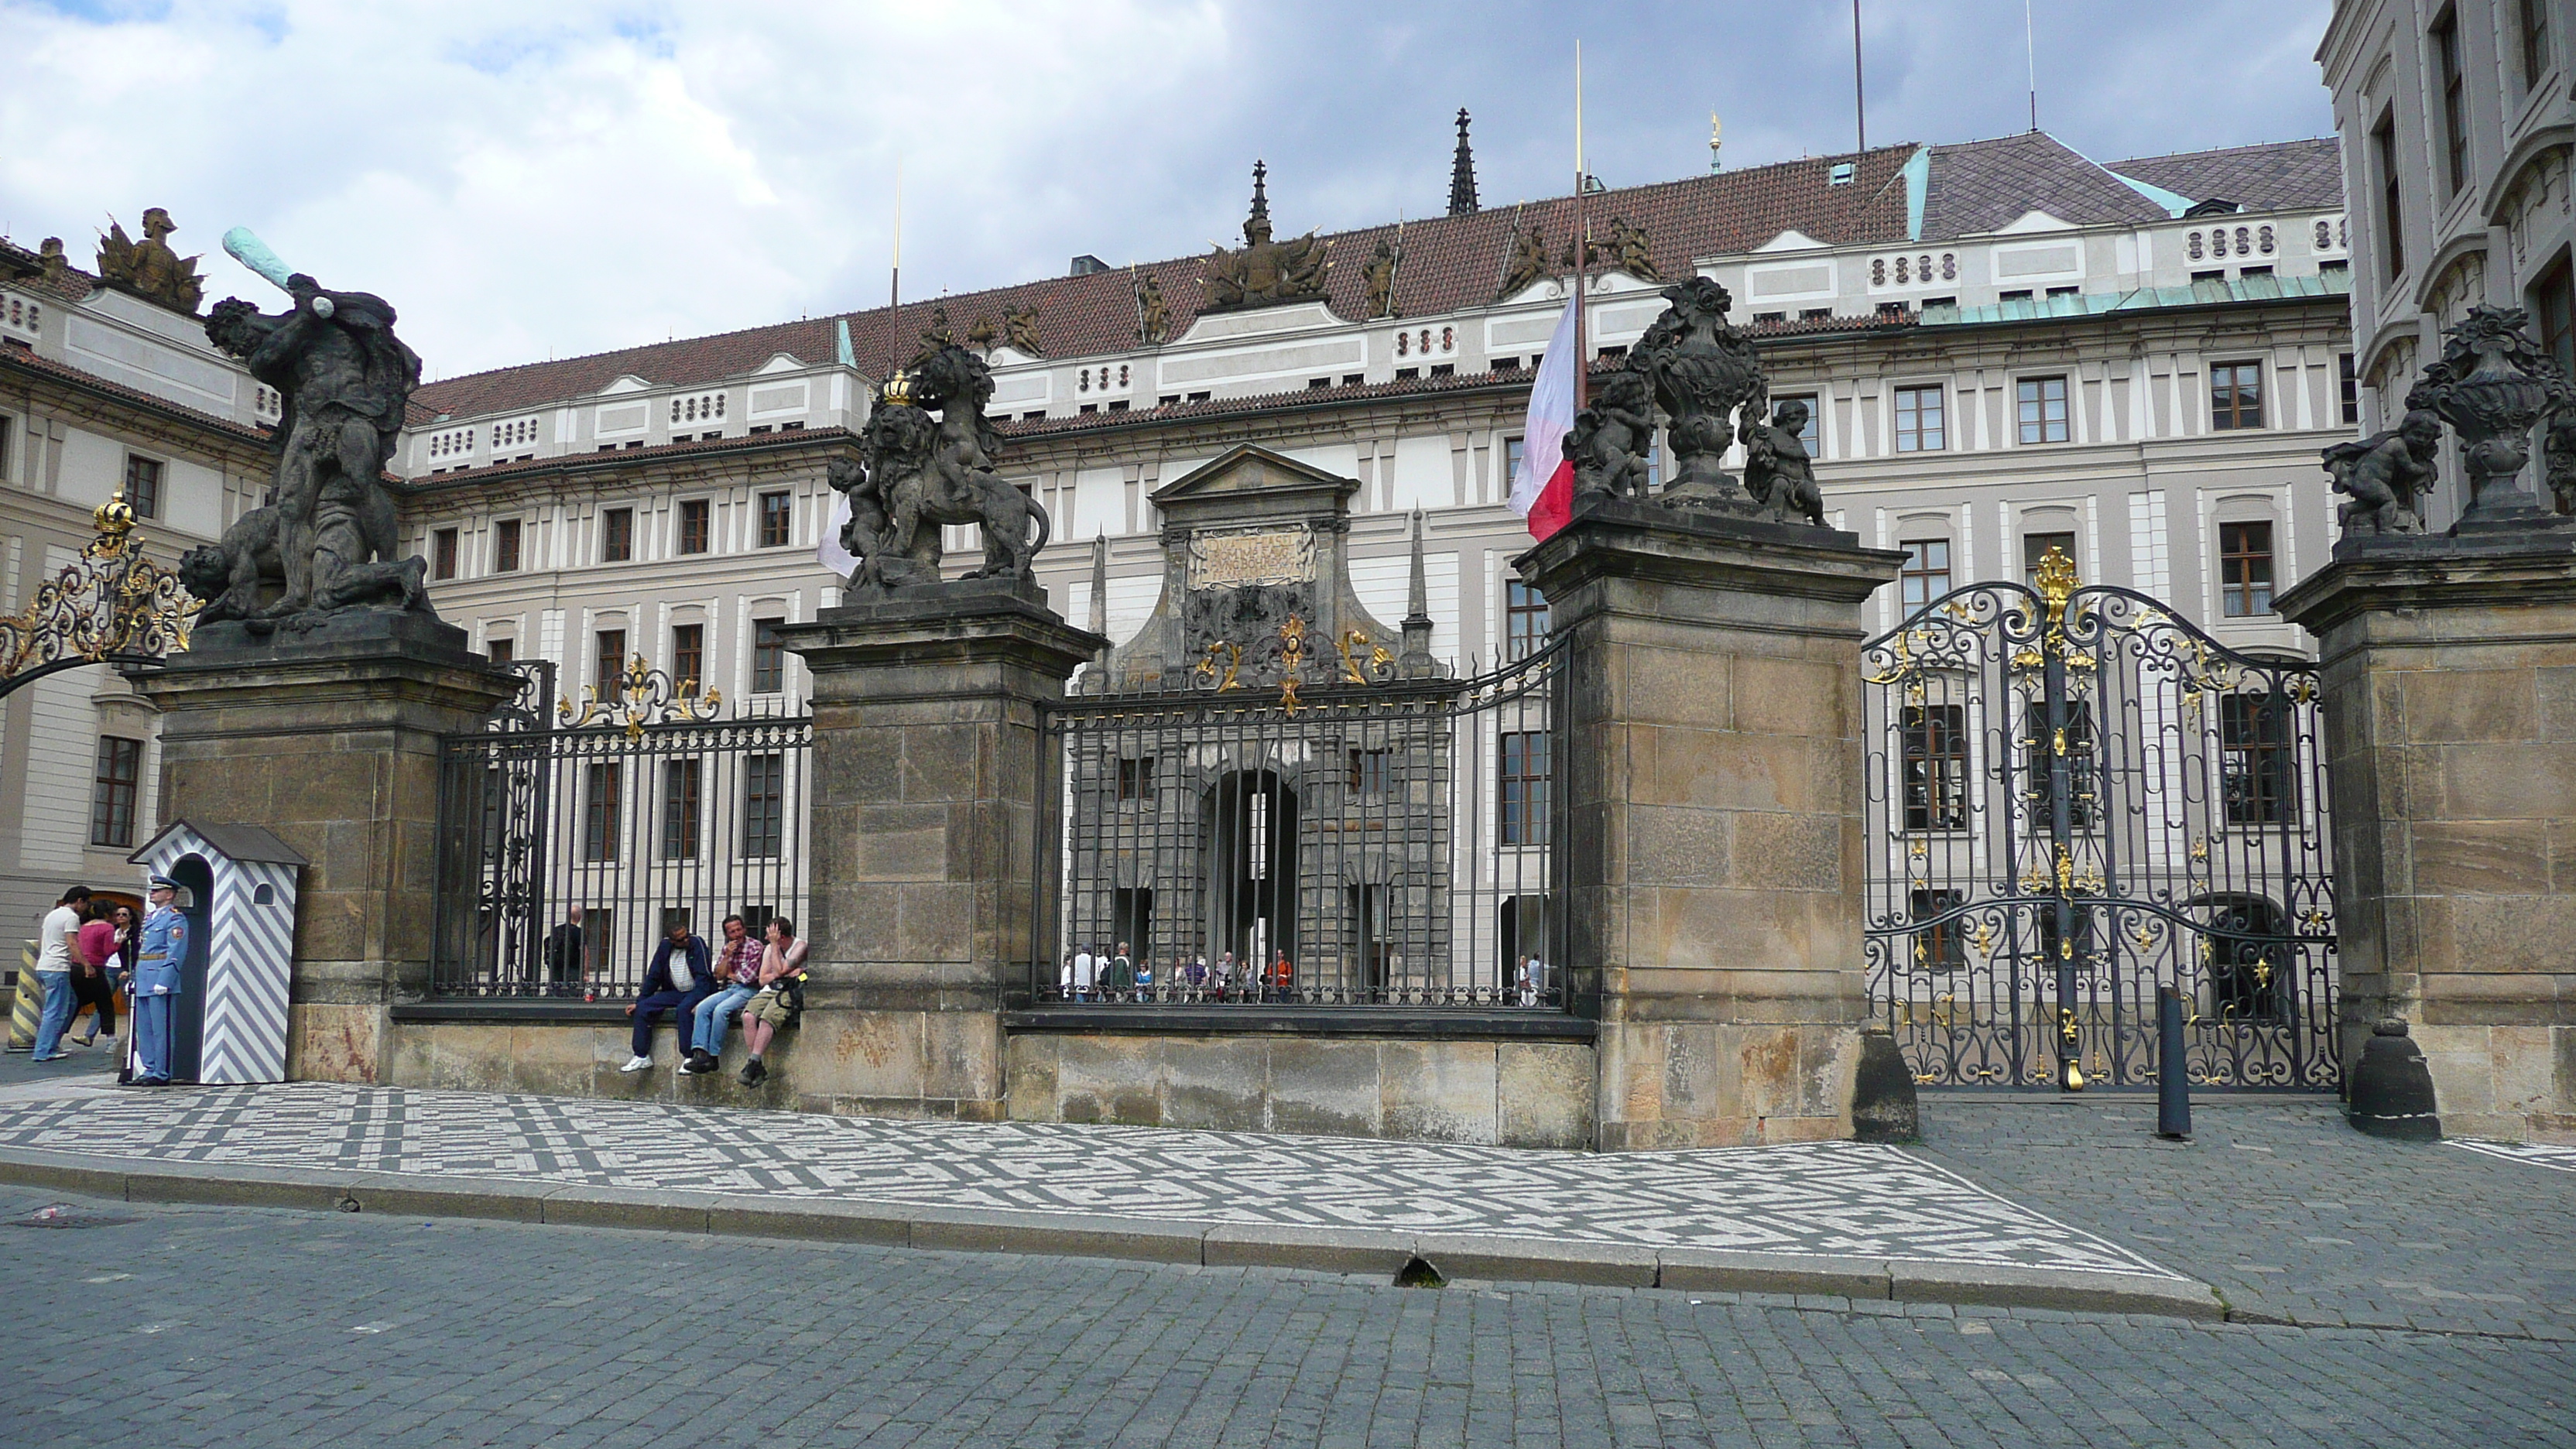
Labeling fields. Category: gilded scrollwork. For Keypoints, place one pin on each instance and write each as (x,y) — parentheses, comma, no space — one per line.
(638,697)
(114,603)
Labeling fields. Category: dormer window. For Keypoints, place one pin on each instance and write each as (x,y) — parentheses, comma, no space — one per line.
(1841,175)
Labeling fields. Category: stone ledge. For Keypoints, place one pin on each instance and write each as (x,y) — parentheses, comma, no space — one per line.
(1391,1023)
(1363,1251)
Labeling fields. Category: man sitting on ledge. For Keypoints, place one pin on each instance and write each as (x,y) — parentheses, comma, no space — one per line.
(676,982)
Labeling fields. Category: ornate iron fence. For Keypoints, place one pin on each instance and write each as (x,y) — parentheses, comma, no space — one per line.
(114,604)
(1394,844)
(2075,798)
(568,844)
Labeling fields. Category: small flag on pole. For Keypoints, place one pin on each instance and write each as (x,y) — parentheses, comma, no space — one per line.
(1543,487)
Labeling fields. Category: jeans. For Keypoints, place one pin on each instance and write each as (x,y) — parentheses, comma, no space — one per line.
(153,1018)
(680,1005)
(57,986)
(715,1014)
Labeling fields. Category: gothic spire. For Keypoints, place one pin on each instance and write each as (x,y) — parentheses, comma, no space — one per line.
(1260,198)
(1462,173)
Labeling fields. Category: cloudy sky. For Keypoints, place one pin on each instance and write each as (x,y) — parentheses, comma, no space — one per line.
(525,180)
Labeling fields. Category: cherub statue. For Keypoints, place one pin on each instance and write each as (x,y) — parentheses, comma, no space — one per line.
(2385,474)
(1610,439)
(1777,470)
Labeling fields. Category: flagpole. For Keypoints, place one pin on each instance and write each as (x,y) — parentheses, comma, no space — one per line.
(894,278)
(1582,239)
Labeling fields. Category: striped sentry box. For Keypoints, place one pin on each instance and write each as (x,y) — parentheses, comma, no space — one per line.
(250,926)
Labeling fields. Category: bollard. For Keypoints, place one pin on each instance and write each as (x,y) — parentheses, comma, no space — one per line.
(2173,1082)
(26,1002)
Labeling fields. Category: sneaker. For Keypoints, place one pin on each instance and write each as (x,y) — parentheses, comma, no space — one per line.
(754,1073)
(89,1040)
(637,1064)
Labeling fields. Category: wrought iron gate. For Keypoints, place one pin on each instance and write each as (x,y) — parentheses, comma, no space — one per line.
(637,807)
(2075,798)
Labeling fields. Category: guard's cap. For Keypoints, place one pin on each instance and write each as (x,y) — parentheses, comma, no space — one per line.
(163,883)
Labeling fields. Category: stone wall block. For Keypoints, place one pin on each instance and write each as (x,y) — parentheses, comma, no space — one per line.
(2480,857)
(2519,781)
(1544,1094)
(2471,704)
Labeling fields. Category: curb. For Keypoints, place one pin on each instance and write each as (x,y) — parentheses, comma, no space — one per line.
(1369,1251)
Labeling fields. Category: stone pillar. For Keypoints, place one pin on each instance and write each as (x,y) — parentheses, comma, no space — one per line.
(1712,765)
(330,740)
(927,785)
(2449,675)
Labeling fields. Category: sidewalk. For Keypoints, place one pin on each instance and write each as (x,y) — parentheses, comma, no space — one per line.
(1829,1218)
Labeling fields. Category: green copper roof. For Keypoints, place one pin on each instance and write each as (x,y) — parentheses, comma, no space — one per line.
(2199,294)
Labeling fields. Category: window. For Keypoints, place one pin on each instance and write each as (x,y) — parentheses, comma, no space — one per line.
(1507,364)
(1941,945)
(2254,759)
(2235,395)
(2253,271)
(2078,291)
(1136,778)
(4,447)
(768,657)
(1770,317)
(1450,369)
(1524,778)
(2392,214)
(1891,309)
(2041,744)
(143,486)
(2534,28)
(1365,908)
(2350,383)
(1918,419)
(2245,568)
(1525,619)
(117,782)
(2021,294)
(681,780)
(2217,275)
(1926,575)
(1407,374)
(1814,314)
(689,654)
(1935,744)
(693,526)
(764,805)
(442,554)
(1349,379)
(1368,771)
(2455,120)
(1511,462)
(2553,306)
(501,651)
(1201,396)
(2042,401)
(602,783)
(505,546)
(776,513)
(616,535)
(2035,546)
(609,658)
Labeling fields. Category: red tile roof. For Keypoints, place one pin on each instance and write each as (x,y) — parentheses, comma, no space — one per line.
(1449,263)
(26,268)
(34,362)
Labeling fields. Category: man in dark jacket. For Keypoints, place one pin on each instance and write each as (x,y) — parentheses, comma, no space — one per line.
(564,960)
(676,982)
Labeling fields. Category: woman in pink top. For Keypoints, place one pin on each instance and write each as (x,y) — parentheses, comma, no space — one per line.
(91,985)
(782,964)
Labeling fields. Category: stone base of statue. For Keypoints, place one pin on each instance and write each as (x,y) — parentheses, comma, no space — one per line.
(2449,671)
(1712,765)
(329,738)
(927,778)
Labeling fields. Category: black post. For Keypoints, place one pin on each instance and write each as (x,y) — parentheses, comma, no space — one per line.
(2173,1087)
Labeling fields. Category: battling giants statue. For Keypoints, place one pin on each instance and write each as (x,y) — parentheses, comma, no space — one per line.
(916,472)
(327,543)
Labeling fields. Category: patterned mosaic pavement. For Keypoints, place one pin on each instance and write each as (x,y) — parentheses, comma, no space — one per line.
(2538,1154)
(1836,1199)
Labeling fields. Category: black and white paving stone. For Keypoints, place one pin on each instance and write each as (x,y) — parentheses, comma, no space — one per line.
(2538,1154)
(1836,1199)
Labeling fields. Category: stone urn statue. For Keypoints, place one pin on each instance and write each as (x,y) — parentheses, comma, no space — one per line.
(2493,386)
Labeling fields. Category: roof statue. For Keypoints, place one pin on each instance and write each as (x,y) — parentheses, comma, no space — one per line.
(1378,277)
(328,543)
(983,334)
(50,257)
(149,268)
(1263,271)
(1526,264)
(1020,330)
(939,333)
(1462,173)
(1153,314)
(1632,251)
(926,461)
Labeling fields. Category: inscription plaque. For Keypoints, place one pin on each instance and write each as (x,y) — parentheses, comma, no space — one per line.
(1233,558)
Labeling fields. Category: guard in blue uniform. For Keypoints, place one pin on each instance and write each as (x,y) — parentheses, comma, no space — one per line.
(157,982)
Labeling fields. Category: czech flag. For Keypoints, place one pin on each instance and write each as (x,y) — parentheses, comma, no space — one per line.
(1543,488)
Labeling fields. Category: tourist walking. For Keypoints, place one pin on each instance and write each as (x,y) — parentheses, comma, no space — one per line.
(57,949)
(737,968)
(780,997)
(94,974)
(676,981)
(158,982)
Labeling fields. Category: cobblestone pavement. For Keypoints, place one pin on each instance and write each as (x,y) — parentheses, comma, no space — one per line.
(1834,1199)
(2289,1213)
(183,1327)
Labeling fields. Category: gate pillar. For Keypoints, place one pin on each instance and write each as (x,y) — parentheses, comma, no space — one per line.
(2449,679)
(330,740)
(927,783)
(1713,770)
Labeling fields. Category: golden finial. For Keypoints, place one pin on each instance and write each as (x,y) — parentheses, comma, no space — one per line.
(114,519)
(2056,579)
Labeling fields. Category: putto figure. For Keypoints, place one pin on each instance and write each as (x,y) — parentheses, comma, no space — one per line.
(1777,470)
(344,378)
(917,472)
(1610,438)
(2385,475)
